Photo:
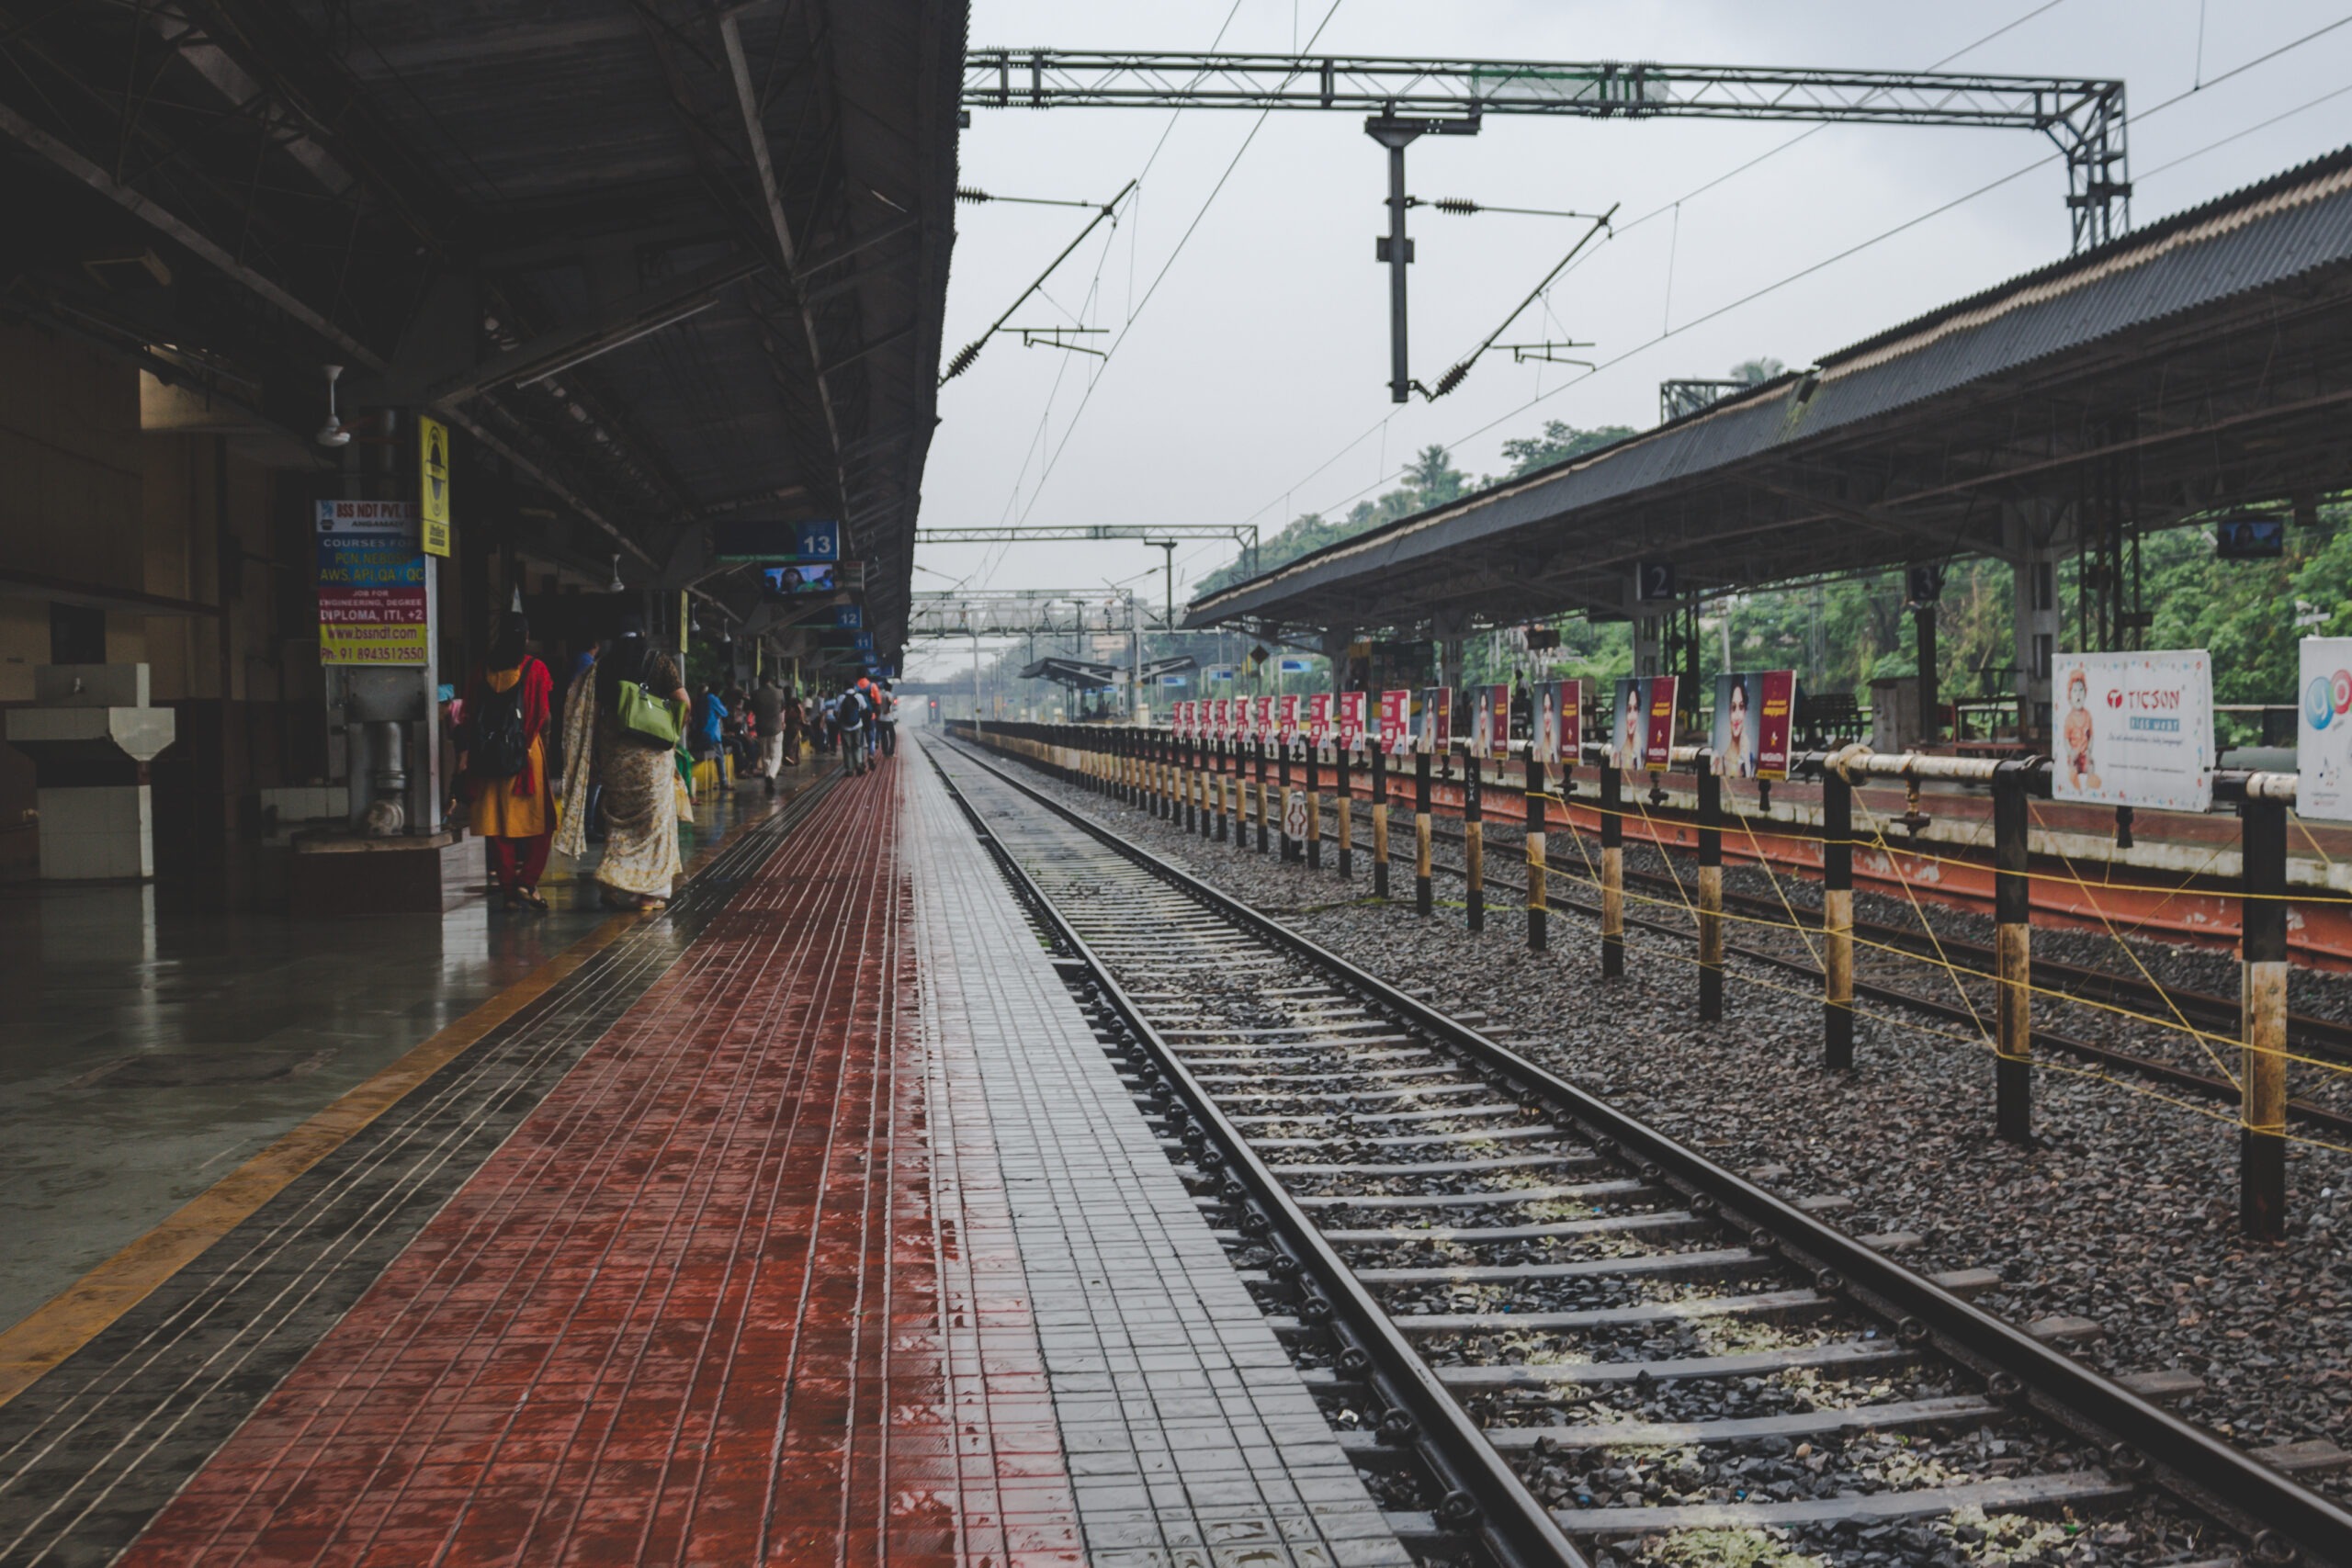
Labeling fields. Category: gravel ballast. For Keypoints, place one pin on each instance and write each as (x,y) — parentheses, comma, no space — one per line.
(2124,1212)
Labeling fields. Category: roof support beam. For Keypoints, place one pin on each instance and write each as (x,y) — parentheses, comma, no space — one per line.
(640,315)
(755,132)
(34,140)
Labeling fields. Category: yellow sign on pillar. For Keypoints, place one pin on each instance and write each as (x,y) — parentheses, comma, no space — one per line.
(432,487)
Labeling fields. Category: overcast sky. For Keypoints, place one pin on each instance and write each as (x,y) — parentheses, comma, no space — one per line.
(1249,380)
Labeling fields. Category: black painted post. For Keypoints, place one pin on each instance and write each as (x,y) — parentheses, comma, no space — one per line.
(1711,890)
(1537,811)
(1345,796)
(1837,919)
(1218,797)
(1473,838)
(1262,830)
(1379,821)
(1612,870)
(1423,903)
(2012,960)
(1281,788)
(1191,785)
(1314,807)
(2262,920)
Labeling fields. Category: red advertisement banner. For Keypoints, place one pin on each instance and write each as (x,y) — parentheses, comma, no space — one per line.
(1286,717)
(1318,719)
(1490,736)
(1350,721)
(1395,722)
(1263,717)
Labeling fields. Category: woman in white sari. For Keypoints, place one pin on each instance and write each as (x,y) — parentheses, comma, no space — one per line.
(638,778)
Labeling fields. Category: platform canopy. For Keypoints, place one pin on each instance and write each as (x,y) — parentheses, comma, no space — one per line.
(667,263)
(2200,363)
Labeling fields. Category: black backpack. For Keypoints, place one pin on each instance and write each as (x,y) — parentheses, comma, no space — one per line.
(499,749)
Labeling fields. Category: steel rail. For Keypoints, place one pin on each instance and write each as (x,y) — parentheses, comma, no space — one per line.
(2282,1520)
(1518,1531)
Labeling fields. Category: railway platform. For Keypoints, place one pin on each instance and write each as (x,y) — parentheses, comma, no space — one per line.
(805,1221)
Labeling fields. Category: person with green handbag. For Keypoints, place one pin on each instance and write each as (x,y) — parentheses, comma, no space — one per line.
(632,704)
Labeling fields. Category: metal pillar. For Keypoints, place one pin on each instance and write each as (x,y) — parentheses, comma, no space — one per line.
(1314,807)
(1379,822)
(1473,838)
(1612,869)
(1421,898)
(2012,960)
(1711,890)
(1263,833)
(1537,809)
(1343,791)
(1396,248)
(2262,917)
(1837,919)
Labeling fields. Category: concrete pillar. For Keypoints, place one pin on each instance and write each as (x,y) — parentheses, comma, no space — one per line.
(2031,537)
(1649,657)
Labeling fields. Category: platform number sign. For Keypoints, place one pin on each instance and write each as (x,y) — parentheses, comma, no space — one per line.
(849,617)
(1653,582)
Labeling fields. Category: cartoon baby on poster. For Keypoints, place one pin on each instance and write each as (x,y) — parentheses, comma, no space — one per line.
(2077,733)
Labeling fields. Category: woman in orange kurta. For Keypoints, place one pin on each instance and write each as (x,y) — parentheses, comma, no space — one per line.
(514,812)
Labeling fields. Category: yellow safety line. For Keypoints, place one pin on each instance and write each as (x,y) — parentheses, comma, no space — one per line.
(87,1307)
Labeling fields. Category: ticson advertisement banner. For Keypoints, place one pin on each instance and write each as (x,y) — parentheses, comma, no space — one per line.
(2136,729)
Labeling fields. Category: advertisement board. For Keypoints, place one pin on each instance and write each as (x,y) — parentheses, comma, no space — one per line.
(1286,717)
(2323,730)
(1350,721)
(1558,739)
(2136,729)
(1318,719)
(1395,722)
(786,581)
(1261,728)
(1753,711)
(1641,722)
(373,607)
(1436,735)
(1490,723)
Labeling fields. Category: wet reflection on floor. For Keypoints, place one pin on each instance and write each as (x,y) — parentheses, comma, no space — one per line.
(148,1050)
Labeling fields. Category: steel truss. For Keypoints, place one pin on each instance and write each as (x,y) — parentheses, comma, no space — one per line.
(1022,612)
(1242,533)
(1405,99)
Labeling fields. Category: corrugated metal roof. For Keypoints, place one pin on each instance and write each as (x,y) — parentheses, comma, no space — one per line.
(2254,239)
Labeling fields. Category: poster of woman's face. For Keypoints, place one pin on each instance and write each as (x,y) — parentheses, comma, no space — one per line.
(1739,705)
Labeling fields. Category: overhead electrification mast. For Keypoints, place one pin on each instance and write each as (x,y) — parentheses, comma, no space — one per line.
(1405,99)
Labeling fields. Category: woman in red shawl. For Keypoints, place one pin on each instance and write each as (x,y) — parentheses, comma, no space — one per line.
(504,762)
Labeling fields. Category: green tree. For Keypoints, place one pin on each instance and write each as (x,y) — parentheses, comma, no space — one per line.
(1559,441)
(1757,371)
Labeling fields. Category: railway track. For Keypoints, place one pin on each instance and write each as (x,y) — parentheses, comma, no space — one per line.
(1540,1325)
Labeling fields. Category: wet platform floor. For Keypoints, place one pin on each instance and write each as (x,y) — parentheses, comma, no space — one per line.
(804,1222)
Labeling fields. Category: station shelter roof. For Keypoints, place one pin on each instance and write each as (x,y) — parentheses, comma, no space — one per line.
(2201,362)
(671,263)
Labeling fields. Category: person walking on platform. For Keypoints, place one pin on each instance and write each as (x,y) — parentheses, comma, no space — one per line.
(503,761)
(850,716)
(767,727)
(796,729)
(630,709)
(886,720)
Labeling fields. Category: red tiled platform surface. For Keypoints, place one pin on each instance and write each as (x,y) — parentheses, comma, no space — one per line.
(719,1301)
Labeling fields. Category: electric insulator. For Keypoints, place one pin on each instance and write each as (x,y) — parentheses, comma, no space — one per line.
(972,194)
(963,360)
(1461,207)
(1450,380)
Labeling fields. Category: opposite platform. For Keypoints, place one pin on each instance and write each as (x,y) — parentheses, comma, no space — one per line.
(832,1238)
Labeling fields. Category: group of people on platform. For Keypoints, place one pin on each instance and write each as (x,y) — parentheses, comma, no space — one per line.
(624,723)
